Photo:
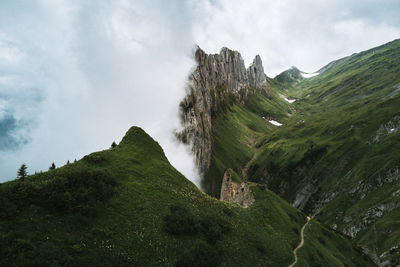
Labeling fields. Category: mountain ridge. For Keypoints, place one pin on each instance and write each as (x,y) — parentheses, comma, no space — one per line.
(340,113)
(340,133)
(128,206)
(217,81)
(333,155)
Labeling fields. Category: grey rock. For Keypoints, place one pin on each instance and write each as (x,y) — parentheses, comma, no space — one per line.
(234,192)
(303,196)
(256,74)
(215,80)
(389,128)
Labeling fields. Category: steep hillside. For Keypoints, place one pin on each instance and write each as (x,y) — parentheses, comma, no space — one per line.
(225,111)
(235,134)
(338,155)
(331,151)
(218,81)
(128,206)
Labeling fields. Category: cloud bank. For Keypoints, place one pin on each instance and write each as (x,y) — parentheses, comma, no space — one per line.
(75,75)
(307,34)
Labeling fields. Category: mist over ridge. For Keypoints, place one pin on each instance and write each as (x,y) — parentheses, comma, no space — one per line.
(74,77)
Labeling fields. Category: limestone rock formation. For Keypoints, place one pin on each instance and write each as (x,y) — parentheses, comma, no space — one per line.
(216,81)
(256,74)
(235,192)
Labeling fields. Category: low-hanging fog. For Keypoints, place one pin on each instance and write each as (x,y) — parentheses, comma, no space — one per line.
(78,76)
(75,75)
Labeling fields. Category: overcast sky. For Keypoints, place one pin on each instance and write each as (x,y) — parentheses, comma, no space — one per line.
(75,75)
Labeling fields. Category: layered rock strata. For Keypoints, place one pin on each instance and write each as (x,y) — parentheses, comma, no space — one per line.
(216,81)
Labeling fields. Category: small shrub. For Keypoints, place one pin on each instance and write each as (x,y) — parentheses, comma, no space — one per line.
(327,232)
(262,187)
(260,246)
(213,228)
(180,221)
(321,240)
(202,255)
(228,212)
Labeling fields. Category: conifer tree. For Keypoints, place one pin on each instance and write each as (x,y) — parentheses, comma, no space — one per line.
(113,144)
(52,167)
(22,172)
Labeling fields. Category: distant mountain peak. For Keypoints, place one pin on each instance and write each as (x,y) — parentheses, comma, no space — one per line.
(292,75)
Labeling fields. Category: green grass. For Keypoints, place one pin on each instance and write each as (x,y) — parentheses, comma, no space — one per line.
(235,132)
(336,142)
(129,206)
(321,249)
(152,216)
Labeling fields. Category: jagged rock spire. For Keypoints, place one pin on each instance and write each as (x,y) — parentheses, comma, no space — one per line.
(215,78)
(227,68)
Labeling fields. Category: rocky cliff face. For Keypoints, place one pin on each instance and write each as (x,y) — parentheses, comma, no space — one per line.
(216,81)
(235,192)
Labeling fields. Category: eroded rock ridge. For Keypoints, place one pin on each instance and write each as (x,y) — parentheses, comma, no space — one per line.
(215,83)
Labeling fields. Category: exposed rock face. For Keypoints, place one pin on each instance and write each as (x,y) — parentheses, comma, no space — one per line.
(303,196)
(389,128)
(216,81)
(256,74)
(234,192)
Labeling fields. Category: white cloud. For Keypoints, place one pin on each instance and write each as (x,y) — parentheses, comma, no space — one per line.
(96,81)
(78,74)
(9,54)
(3,112)
(307,34)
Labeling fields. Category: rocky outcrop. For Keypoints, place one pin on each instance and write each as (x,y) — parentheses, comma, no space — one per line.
(303,196)
(235,192)
(216,81)
(389,128)
(255,73)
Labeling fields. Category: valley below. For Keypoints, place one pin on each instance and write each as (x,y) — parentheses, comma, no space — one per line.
(297,170)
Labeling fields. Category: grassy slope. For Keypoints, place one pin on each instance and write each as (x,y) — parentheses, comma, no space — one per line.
(235,133)
(323,247)
(340,142)
(151,216)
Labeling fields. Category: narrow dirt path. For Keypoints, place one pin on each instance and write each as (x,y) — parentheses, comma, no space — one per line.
(244,170)
(301,242)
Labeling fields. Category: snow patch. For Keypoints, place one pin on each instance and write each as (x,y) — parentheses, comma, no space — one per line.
(287,99)
(308,75)
(275,123)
